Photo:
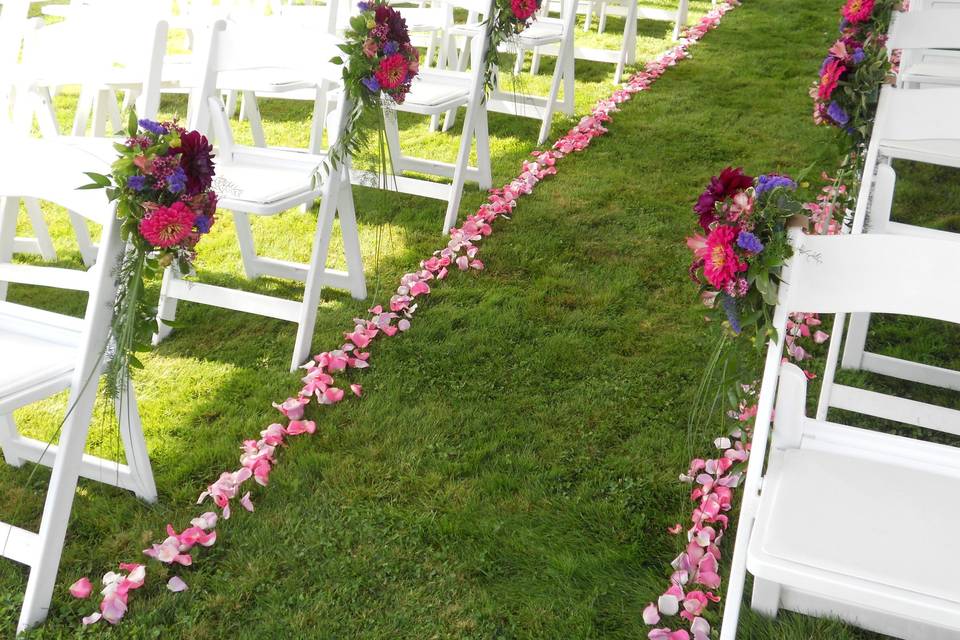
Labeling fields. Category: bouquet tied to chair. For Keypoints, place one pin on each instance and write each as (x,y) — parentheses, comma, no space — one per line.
(161,183)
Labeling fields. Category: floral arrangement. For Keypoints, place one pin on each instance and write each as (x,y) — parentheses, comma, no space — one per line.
(259,456)
(380,66)
(508,19)
(846,92)
(161,183)
(737,262)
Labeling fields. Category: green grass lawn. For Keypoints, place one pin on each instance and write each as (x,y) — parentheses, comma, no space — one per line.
(512,467)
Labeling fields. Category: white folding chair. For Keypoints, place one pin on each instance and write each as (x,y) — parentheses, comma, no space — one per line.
(550,36)
(434,92)
(45,353)
(62,54)
(929,42)
(916,125)
(265,182)
(13,25)
(850,522)
(631,12)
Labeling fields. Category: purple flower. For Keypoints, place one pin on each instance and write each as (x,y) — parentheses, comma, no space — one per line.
(153,127)
(749,242)
(371,84)
(730,308)
(177,181)
(391,48)
(858,56)
(771,181)
(137,183)
(203,223)
(837,114)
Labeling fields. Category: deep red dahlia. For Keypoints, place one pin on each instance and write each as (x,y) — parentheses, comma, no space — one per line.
(721,187)
(196,160)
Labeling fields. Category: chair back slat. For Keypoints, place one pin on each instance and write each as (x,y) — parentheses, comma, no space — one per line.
(933,29)
(875,273)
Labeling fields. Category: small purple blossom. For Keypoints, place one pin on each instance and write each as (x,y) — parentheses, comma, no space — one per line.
(858,56)
(730,308)
(364,6)
(137,183)
(837,114)
(771,181)
(391,48)
(177,181)
(203,223)
(153,127)
(749,242)
(371,84)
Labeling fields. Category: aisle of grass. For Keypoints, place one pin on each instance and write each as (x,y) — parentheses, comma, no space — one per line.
(511,470)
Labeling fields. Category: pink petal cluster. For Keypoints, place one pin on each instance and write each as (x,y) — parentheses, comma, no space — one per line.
(258,455)
(115,592)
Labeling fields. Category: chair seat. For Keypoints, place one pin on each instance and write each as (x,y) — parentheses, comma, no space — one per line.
(541,32)
(39,349)
(427,97)
(264,188)
(941,152)
(876,528)
(267,79)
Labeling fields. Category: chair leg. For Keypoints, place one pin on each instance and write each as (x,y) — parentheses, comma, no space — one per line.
(88,251)
(459,171)
(253,115)
(8,231)
(351,241)
(483,150)
(82,114)
(135,445)
(602,24)
(40,230)
(231,103)
(856,342)
(766,597)
(682,11)
(314,280)
(59,502)
(558,75)
(166,306)
(9,435)
(248,253)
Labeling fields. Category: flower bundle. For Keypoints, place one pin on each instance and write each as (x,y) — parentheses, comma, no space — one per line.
(507,20)
(737,262)
(380,62)
(161,183)
(846,92)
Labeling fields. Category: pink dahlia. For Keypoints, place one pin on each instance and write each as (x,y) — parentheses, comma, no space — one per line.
(858,10)
(722,264)
(392,71)
(523,9)
(829,77)
(166,227)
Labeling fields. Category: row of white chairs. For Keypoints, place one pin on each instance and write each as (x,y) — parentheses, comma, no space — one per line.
(843,521)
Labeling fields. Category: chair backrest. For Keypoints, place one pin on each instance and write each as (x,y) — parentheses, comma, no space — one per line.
(331,17)
(88,49)
(273,44)
(51,170)
(899,275)
(924,5)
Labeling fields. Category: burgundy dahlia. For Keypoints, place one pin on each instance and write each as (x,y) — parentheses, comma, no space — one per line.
(721,187)
(196,159)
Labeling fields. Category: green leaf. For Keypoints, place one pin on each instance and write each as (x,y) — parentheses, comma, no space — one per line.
(132,125)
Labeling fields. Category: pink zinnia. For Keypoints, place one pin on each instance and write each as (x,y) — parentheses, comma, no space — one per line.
(857,10)
(166,227)
(722,264)
(392,71)
(523,9)
(829,77)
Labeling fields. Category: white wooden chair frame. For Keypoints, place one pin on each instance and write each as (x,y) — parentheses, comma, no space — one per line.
(917,125)
(53,178)
(627,54)
(445,91)
(801,520)
(235,163)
